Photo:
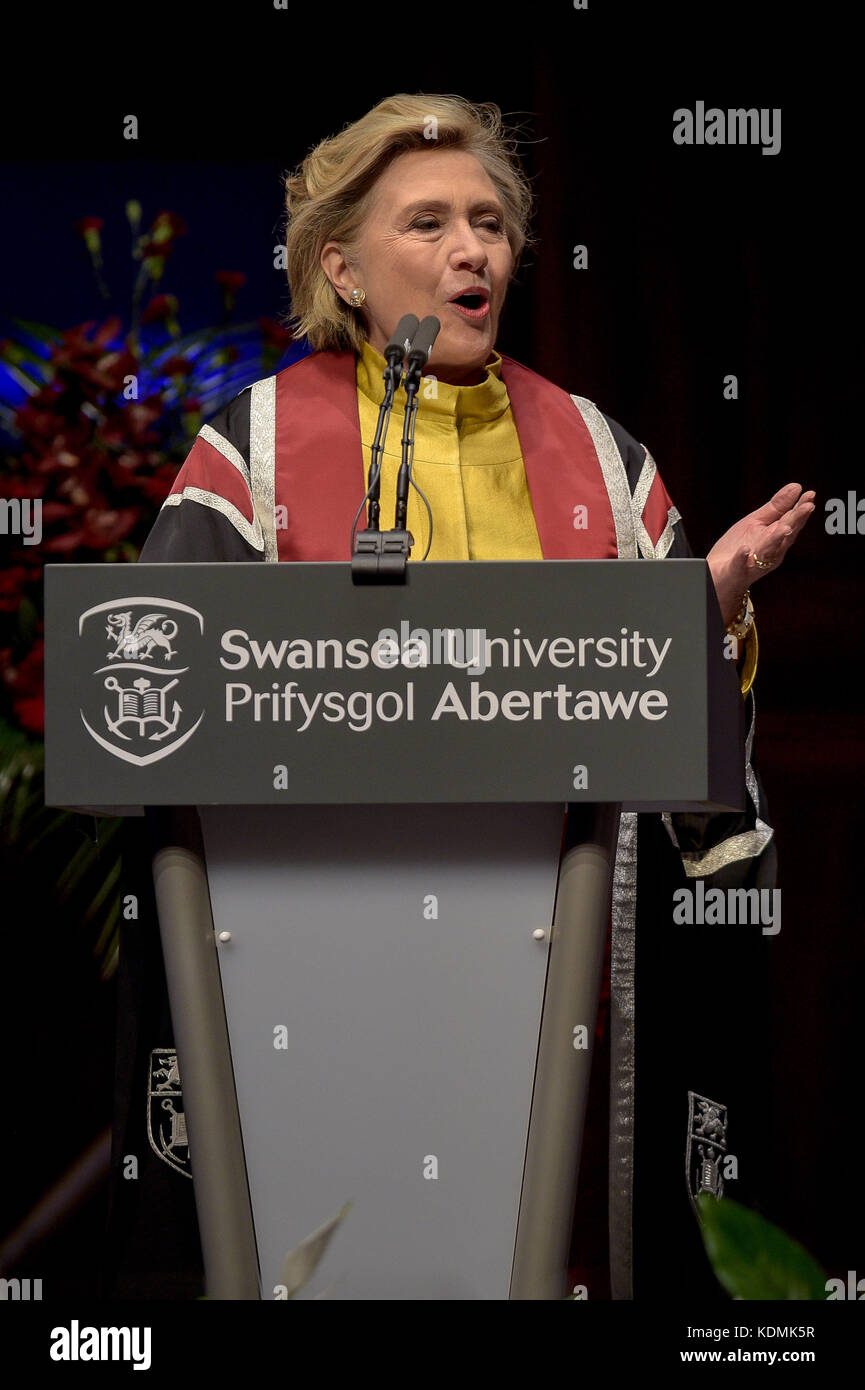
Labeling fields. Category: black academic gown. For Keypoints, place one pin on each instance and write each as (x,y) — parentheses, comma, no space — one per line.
(699,1025)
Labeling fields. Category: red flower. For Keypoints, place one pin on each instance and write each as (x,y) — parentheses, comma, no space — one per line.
(92,359)
(21,487)
(99,529)
(167,226)
(30,713)
(26,678)
(77,339)
(157,487)
(36,422)
(89,229)
(231,280)
(170,220)
(162,306)
(25,682)
(176,366)
(131,425)
(60,511)
(106,528)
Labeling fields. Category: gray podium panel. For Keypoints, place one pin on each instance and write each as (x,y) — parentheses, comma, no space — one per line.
(410,988)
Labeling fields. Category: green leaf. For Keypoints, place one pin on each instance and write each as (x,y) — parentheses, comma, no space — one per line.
(102,893)
(754,1259)
(109,929)
(76,868)
(41,331)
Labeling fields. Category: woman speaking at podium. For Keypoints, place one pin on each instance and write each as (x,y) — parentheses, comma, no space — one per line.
(421,206)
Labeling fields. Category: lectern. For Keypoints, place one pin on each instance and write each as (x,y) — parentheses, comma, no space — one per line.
(385,827)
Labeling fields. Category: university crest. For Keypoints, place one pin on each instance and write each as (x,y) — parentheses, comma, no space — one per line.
(135,708)
(166,1121)
(706,1147)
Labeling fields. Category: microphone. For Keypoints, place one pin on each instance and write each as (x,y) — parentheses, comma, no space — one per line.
(381,556)
(395,351)
(400,343)
(418,356)
(422,346)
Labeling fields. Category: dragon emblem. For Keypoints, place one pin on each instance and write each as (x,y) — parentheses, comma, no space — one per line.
(137,643)
(143,716)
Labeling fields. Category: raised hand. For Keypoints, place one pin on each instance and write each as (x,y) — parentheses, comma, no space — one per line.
(757,545)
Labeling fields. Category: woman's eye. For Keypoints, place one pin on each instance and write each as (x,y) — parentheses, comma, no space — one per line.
(429,224)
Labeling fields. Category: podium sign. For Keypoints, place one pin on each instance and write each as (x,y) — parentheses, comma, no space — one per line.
(287,684)
(378,986)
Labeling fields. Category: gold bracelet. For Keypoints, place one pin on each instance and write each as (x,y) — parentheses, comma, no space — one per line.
(744,619)
(749,666)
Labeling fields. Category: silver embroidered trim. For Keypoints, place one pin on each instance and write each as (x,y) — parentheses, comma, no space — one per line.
(638,502)
(226,448)
(622,949)
(250,533)
(649,551)
(665,540)
(615,476)
(262,460)
(747,844)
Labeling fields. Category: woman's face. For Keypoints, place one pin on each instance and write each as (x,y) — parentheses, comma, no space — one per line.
(435,228)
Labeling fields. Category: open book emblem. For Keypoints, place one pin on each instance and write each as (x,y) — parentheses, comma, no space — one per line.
(142,715)
(141,703)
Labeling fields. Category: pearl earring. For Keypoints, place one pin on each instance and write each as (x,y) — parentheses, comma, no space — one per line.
(357,298)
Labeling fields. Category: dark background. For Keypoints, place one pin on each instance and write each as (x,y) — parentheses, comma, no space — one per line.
(703,261)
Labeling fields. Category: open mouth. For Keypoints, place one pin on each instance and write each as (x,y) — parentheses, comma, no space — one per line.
(471,305)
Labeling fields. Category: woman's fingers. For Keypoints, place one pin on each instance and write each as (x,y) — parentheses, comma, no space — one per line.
(786,500)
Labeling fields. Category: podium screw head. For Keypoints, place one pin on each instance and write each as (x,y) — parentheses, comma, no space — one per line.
(224,936)
(539,934)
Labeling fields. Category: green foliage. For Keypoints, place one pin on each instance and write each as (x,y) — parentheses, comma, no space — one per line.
(754,1259)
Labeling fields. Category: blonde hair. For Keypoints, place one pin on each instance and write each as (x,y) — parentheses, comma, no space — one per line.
(327,198)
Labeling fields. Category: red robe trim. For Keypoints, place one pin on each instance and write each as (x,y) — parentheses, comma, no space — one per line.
(320,462)
(205,468)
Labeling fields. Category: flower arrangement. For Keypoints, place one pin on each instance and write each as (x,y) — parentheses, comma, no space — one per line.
(94,423)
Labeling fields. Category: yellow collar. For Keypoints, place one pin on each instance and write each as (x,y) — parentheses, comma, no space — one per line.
(486,401)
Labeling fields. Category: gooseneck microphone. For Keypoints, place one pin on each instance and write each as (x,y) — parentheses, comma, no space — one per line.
(396,350)
(380,556)
(400,344)
(416,360)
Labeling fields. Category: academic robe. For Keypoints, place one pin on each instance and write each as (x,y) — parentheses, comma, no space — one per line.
(277,475)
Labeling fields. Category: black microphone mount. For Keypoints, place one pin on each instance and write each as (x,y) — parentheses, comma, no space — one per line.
(381,556)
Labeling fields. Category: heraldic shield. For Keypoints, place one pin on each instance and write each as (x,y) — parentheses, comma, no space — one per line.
(706,1147)
(166,1121)
(134,706)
